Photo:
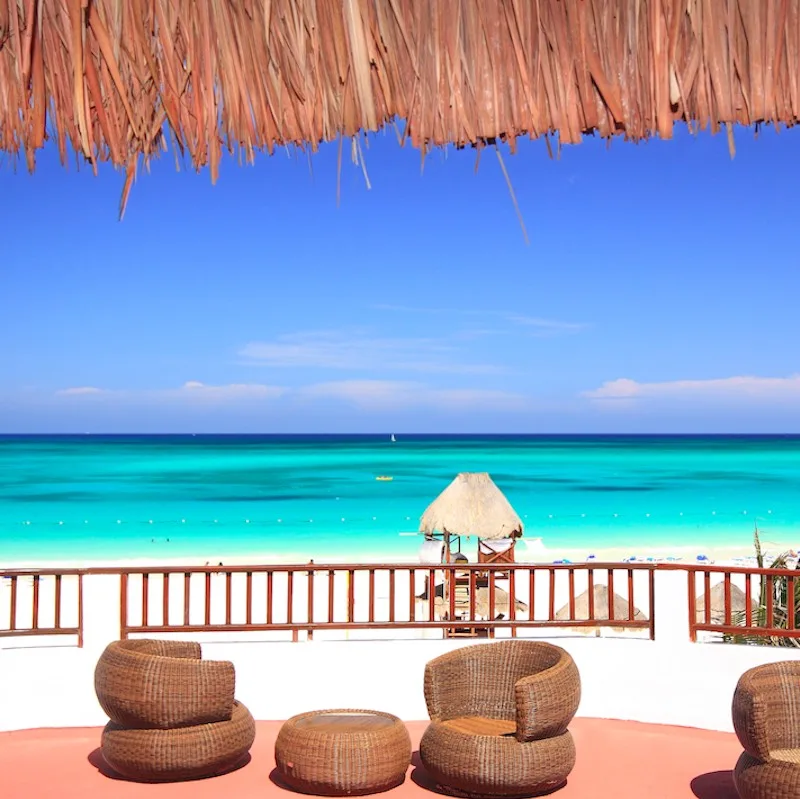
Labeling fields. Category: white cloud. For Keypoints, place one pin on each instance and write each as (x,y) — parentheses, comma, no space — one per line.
(759,389)
(358,350)
(369,395)
(536,325)
(80,391)
(231,392)
(191,391)
(546,327)
(388,394)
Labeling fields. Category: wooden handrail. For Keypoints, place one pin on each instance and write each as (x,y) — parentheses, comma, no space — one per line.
(388,597)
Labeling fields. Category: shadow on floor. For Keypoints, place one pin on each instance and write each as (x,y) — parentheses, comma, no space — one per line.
(420,777)
(714,785)
(96,759)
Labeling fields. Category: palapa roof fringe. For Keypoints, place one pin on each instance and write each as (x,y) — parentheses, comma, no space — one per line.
(117,78)
(471,505)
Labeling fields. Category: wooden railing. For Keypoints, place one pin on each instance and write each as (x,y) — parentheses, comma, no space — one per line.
(41,602)
(776,617)
(468,599)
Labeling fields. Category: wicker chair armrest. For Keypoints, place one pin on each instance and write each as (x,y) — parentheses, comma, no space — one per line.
(156,692)
(548,701)
(750,721)
(167,649)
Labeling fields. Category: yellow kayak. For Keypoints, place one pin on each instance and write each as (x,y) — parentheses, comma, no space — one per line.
(384,477)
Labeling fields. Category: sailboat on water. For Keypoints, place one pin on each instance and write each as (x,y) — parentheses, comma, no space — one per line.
(393,438)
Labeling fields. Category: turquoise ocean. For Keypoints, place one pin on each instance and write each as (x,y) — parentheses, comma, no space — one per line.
(108,497)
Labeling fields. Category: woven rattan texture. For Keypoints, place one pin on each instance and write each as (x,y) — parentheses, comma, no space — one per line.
(162,684)
(173,715)
(534,685)
(342,762)
(766,717)
(204,750)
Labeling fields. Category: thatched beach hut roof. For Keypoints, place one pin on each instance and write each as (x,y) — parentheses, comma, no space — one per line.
(471,505)
(717,603)
(620,605)
(119,79)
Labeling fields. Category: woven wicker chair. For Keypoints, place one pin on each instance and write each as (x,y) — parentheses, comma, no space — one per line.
(173,715)
(766,717)
(499,716)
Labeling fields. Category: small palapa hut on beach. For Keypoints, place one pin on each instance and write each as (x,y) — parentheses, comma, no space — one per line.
(118,80)
(472,505)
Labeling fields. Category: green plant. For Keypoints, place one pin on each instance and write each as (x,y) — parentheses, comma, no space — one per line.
(780,602)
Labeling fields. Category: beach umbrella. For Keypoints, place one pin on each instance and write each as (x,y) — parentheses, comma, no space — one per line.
(738,600)
(472,505)
(600,609)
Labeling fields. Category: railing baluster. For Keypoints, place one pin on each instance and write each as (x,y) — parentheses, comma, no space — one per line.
(228,596)
(431,595)
(124,622)
(269,596)
(80,610)
(351,595)
(310,600)
(707,596)
(35,621)
(412,596)
(208,599)
(591,594)
(531,593)
(391,595)
(631,606)
(187,599)
(651,595)
(165,600)
(552,600)
(492,611)
(727,592)
(512,600)
(611,615)
(331,579)
(748,601)
(249,599)
(770,602)
(472,592)
(58,602)
(145,599)
(290,593)
(790,604)
(572,594)
(371,595)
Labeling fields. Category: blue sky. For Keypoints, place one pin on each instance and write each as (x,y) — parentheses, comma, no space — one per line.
(658,293)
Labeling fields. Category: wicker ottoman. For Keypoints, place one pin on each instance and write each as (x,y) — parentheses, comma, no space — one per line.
(343,752)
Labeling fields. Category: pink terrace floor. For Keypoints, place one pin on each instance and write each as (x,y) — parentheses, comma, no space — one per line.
(616,759)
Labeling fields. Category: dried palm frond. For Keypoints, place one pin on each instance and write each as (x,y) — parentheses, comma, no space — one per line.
(116,79)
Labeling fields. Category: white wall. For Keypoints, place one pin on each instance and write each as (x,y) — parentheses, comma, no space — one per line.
(669,680)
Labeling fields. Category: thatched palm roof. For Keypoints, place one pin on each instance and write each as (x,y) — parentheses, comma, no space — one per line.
(119,78)
(471,505)
(600,609)
(717,596)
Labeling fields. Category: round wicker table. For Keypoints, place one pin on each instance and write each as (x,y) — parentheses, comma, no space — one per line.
(343,752)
